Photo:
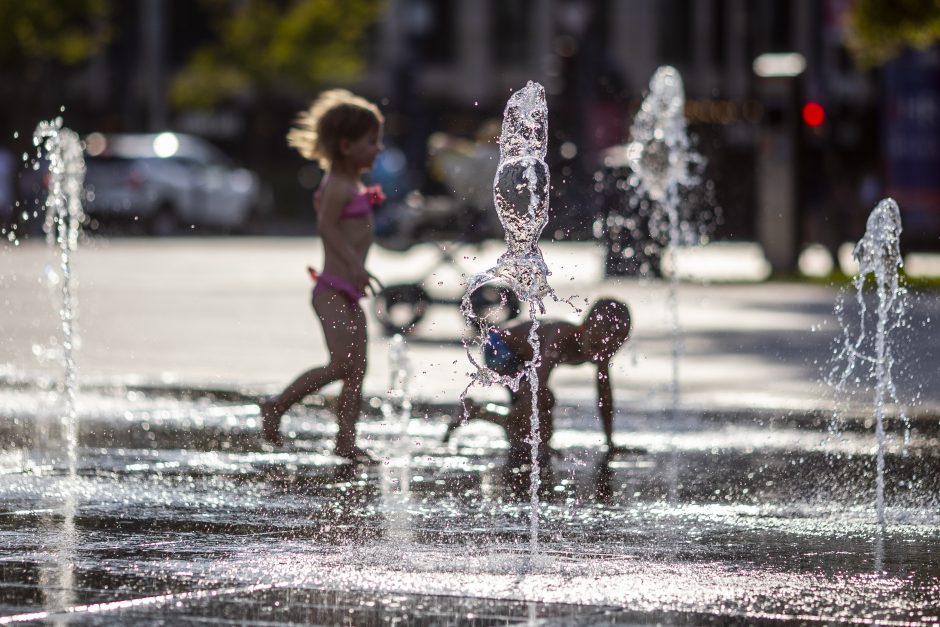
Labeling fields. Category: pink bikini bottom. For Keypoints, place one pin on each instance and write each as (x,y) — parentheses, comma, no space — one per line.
(330,281)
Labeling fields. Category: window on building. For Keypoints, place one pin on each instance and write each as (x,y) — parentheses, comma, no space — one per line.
(719,33)
(780,22)
(512,31)
(675,31)
(770,27)
(437,38)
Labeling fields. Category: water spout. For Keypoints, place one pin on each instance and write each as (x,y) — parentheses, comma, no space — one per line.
(867,356)
(397,406)
(395,472)
(63,150)
(520,190)
(663,162)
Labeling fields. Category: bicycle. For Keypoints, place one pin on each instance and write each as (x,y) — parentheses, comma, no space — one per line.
(400,308)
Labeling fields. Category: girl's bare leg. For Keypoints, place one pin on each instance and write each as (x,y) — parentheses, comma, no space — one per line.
(345,332)
(354,341)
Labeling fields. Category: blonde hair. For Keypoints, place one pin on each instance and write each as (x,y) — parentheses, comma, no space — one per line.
(335,115)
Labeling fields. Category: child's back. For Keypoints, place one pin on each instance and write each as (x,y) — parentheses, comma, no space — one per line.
(605,328)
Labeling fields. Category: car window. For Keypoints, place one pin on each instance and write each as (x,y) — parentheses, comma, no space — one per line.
(188,162)
(214,156)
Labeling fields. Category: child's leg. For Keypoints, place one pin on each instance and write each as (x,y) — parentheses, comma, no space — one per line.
(307,383)
(519,423)
(475,412)
(353,338)
(335,313)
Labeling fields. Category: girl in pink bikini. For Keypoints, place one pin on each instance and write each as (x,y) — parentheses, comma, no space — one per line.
(343,132)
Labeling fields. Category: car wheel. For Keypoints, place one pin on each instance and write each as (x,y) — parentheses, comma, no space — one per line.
(164,222)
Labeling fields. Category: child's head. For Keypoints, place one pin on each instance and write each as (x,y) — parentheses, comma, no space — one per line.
(606,327)
(335,117)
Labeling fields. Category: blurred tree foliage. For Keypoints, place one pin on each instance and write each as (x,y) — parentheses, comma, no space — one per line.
(58,31)
(880,29)
(265,47)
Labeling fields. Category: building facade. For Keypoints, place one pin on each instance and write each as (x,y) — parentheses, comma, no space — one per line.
(461,58)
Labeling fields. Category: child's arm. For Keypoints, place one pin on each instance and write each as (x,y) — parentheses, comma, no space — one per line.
(605,403)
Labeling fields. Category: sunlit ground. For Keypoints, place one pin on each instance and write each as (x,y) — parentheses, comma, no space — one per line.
(178,515)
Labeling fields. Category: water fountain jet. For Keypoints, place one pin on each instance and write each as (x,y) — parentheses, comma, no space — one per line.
(397,406)
(878,254)
(664,163)
(395,472)
(520,191)
(63,149)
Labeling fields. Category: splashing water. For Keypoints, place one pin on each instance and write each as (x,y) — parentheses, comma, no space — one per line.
(63,149)
(878,254)
(659,151)
(395,473)
(660,156)
(520,191)
(396,408)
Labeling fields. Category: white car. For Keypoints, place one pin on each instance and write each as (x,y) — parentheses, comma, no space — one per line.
(168,181)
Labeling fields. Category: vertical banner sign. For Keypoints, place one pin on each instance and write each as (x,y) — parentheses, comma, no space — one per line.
(912,140)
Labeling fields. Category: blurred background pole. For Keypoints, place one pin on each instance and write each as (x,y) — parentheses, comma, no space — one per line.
(408,100)
(152,70)
(777,155)
(776,189)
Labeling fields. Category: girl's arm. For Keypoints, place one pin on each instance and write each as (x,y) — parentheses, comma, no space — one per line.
(605,402)
(332,201)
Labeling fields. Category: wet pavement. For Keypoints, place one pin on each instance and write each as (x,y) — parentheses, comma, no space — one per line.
(178,515)
(754,506)
(225,312)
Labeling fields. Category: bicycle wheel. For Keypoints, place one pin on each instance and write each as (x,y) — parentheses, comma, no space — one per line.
(497,304)
(399,308)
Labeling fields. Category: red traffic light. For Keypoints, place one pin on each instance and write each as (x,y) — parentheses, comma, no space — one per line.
(813,114)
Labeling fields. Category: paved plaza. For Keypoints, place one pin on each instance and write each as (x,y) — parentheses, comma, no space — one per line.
(178,514)
(229,313)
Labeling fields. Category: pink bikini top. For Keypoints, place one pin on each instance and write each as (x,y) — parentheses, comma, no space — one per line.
(360,205)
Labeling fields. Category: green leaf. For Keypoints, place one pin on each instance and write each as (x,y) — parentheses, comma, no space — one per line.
(62,31)
(264,47)
(880,29)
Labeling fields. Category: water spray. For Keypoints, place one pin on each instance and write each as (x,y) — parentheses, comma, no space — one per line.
(878,254)
(63,149)
(520,191)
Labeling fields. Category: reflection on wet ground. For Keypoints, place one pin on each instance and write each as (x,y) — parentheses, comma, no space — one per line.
(178,516)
